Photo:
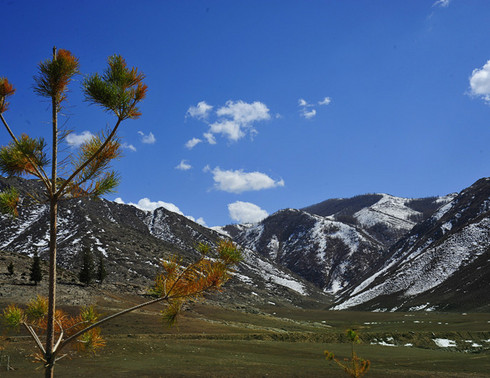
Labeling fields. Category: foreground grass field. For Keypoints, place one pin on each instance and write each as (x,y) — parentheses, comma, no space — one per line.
(216,341)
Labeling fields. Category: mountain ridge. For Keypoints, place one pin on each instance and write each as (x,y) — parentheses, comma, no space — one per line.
(352,249)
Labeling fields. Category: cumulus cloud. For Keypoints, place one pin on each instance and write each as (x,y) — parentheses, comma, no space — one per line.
(237,181)
(246,212)
(233,121)
(147,138)
(244,113)
(200,111)
(480,82)
(193,143)
(210,138)
(146,204)
(76,140)
(183,166)
(227,128)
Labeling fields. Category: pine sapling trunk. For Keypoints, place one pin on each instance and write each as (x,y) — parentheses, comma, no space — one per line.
(53,227)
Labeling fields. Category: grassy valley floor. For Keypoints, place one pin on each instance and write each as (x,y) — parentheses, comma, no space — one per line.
(213,340)
(237,341)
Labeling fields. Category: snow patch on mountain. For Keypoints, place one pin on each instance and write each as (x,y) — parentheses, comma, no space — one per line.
(389,210)
(270,273)
(426,267)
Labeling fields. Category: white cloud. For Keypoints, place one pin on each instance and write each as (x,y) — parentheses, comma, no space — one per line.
(325,101)
(146,204)
(148,139)
(302,102)
(441,3)
(307,110)
(244,113)
(193,143)
(236,119)
(309,113)
(201,111)
(480,82)
(128,147)
(183,166)
(238,181)
(210,138)
(227,128)
(246,212)
(233,121)
(76,140)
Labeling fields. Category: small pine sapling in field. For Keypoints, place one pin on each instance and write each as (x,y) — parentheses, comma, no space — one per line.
(356,366)
(10,268)
(36,273)
(101,271)
(87,273)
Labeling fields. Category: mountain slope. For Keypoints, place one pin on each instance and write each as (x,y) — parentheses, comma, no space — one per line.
(133,241)
(326,252)
(441,259)
(384,217)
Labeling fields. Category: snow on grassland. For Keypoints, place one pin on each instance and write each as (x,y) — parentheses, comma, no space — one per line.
(428,268)
(444,343)
(388,210)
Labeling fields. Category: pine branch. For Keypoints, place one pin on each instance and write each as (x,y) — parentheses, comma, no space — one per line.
(41,174)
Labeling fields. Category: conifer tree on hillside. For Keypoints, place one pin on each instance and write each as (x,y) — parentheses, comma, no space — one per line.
(87,273)
(101,271)
(36,274)
(118,90)
(10,268)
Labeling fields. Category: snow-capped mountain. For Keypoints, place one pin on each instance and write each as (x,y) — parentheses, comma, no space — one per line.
(384,217)
(442,263)
(324,251)
(133,241)
(375,251)
(335,242)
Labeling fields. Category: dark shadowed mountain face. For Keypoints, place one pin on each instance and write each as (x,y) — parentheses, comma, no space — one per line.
(442,263)
(133,241)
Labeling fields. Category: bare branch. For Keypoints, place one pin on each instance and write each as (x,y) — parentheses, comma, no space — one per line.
(35,337)
(61,335)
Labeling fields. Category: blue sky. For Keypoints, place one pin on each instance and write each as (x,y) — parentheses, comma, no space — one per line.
(256,106)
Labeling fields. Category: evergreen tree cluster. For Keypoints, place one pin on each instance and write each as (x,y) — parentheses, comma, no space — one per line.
(88,273)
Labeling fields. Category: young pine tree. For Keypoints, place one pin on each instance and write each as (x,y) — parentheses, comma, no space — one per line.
(36,274)
(356,367)
(87,273)
(118,90)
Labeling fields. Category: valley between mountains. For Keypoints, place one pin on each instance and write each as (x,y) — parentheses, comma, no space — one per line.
(372,252)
